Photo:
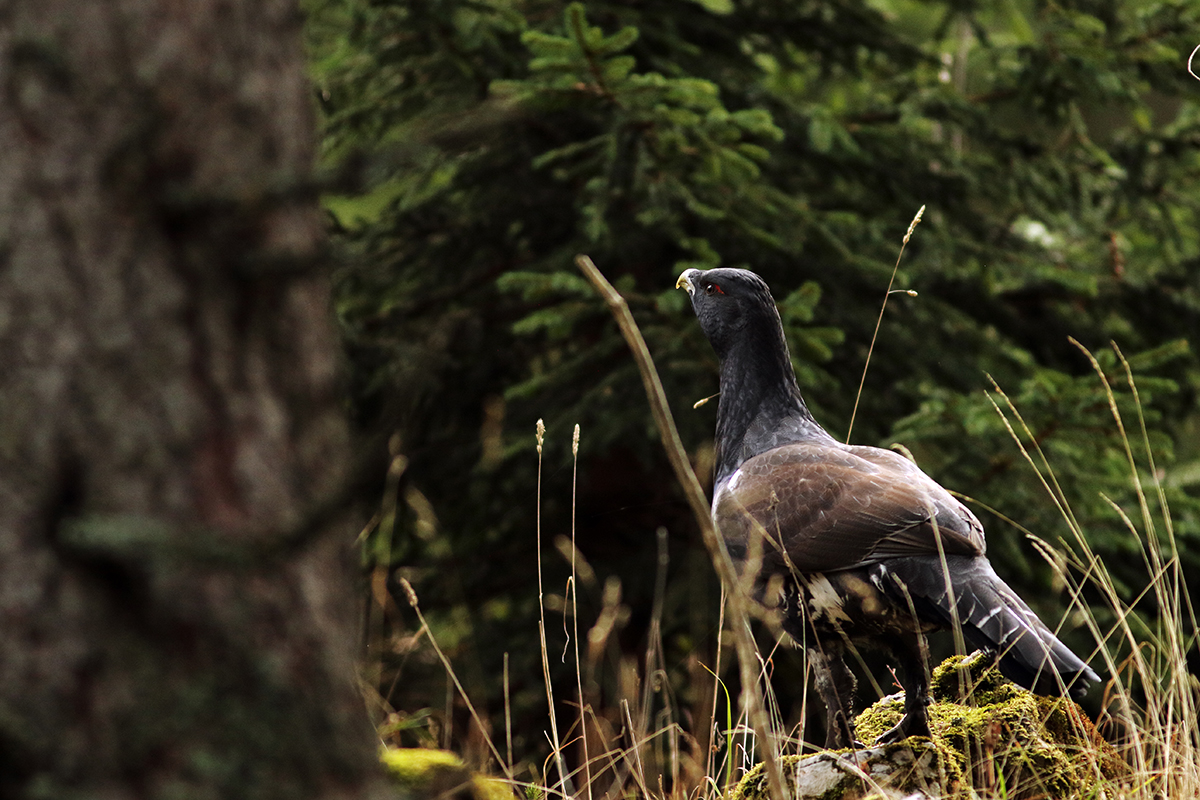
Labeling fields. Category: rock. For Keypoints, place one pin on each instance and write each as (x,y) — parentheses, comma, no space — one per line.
(990,738)
(993,733)
(894,772)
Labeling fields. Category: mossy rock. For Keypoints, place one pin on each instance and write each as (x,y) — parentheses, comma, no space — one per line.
(908,770)
(991,738)
(996,736)
(432,774)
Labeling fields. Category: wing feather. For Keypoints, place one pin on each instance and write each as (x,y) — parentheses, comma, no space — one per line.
(821,507)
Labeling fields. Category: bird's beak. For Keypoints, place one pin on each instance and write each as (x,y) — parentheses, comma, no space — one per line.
(684,283)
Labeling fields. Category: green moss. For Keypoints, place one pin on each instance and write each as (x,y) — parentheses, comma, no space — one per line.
(903,768)
(987,729)
(991,738)
(438,773)
(886,712)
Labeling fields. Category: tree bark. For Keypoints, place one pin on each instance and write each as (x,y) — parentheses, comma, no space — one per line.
(174,611)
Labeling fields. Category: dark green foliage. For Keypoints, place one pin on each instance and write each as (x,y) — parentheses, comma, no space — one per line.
(1054,146)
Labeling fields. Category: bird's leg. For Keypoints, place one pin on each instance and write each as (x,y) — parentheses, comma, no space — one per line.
(835,684)
(915,721)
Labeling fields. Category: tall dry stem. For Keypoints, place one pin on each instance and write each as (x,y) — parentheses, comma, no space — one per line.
(739,601)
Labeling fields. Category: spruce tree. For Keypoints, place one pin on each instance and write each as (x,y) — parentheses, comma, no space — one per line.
(1052,145)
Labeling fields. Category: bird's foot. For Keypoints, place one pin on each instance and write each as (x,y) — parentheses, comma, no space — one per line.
(840,733)
(906,727)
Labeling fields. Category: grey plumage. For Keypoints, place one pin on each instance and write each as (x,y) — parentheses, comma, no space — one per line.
(992,617)
(857,535)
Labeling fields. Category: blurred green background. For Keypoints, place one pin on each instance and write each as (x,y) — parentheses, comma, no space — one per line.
(1056,147)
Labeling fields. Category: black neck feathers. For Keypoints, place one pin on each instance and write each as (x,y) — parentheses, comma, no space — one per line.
(761,406)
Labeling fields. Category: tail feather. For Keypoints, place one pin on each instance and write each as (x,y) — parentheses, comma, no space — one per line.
(992,617)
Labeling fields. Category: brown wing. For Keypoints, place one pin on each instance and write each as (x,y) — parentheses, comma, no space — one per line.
(830,507)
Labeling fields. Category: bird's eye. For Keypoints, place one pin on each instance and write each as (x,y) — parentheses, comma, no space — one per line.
(712,288)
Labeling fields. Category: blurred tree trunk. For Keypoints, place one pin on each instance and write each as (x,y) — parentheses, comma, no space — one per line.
(174,615)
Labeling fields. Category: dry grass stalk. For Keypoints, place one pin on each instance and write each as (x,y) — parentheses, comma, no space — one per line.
(739,600)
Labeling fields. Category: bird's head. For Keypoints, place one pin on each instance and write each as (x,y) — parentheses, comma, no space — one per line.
(727,303)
